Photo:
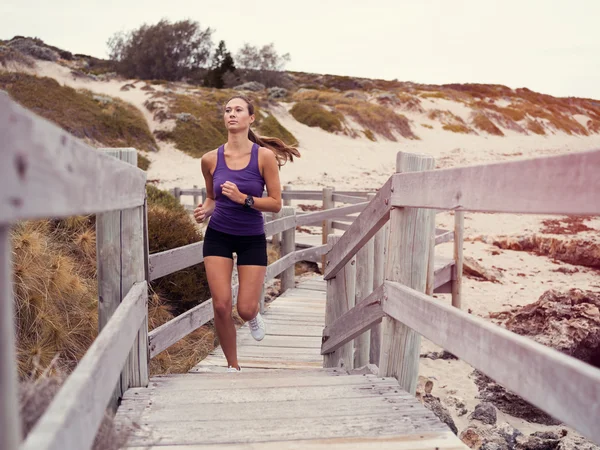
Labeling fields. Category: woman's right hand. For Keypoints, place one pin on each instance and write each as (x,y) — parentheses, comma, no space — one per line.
(200,213)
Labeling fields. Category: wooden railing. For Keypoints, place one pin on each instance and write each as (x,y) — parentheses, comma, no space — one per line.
(564,387)
(45,172)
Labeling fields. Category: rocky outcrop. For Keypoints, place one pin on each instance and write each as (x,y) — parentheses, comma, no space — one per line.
(253,86)
(566,321)
(471,267)
(581,251)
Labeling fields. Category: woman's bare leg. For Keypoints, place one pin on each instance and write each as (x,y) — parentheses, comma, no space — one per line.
(252,280)
(218,273)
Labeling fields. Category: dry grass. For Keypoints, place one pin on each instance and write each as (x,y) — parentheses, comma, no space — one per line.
(424,125)
(313,114)
(35,395)
(11,56)
(270,126)
(450,122)
(115,124)
(535,127)
(483,123)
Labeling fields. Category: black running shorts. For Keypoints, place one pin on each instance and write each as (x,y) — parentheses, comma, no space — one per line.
(250,250)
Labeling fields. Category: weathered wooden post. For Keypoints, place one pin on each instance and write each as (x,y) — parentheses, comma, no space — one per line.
(459,229)
(408,251)
(379,258)
(328,203)
(177,194)
(340,299)
(10,422)
(364,286)
(288,245)
(196,199)
(121,250)
(286,202)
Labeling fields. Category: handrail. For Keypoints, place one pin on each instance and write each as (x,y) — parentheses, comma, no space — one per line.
(557,383)
(76,412)
(46,172)
(362,229)
(565,184)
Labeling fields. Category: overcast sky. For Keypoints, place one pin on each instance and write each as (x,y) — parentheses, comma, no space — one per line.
(551,46)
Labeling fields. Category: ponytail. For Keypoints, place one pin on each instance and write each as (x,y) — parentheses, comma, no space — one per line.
(283,152)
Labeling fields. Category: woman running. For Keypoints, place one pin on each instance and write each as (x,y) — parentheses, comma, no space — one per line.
(236,175)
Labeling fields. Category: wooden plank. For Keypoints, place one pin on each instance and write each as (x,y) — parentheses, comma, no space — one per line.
(445,440)
(328,203)
(317,217)
(288,246)
(279,266)
(10,422)
(459,231)
(364,228)
(292,330)
(264,363)
(380,257)
(284,341)
(73,417)
(177,328)
(564,387)
(344,198)
(282,224)
(441,238)
(236,395)
(527,186)
(311,254)
(46,172)
(340,225)
(340,300)
(409,242)
(353,322)
(218,431)
(185,382)
(169,261)
(133,270)
(364,286)
(442,272)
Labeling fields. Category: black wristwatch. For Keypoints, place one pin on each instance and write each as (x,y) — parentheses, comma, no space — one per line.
(249,202)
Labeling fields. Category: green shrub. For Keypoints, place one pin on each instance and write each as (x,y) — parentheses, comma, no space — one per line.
(143,162)
(112,123)
(171,226)
(314,115)
(271,127)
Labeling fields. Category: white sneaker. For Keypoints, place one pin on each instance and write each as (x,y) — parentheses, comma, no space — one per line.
(257,327)
(231,369)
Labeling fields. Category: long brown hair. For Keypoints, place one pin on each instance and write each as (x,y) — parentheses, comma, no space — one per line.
(283,152)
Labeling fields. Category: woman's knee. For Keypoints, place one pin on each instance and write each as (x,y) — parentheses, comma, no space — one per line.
(247,311)
(222,309)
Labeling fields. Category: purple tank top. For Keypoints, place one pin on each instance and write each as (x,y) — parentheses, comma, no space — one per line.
(228,216)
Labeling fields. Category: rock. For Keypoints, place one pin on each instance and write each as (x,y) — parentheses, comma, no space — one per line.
(387,97)
(568,321)
(439,355)
(509,403)
(471,437)
(253,86)
(276,92)
(473,268)
(127,87)
(31,48)
(455,401)
(185,117)
(493,446)
(581,251)
(509,434)
(355,94)
(103,100)
(424,388)
(536,443)
(484,412)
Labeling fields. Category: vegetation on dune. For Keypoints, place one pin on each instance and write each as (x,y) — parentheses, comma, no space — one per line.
(377,118)
(271,127)
(314,114)
(56,288)
(104,121)
(483,123)
(450,121)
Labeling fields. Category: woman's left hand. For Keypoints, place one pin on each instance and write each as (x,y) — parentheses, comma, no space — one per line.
(231,191)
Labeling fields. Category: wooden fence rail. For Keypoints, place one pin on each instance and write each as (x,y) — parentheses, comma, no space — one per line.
(564,387)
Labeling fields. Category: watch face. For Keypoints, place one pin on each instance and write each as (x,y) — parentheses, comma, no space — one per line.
(249,201)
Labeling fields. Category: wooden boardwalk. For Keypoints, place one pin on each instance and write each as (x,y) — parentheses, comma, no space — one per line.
(283,399)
